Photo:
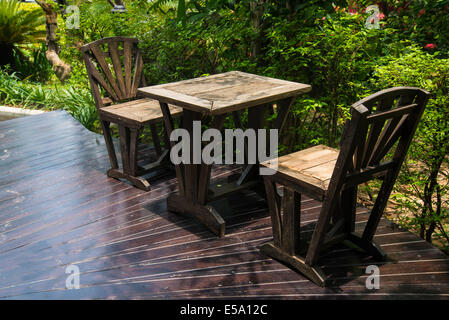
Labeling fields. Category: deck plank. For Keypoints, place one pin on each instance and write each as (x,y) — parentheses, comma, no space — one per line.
(57,208)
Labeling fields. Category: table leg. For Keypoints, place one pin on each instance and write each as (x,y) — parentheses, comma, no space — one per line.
(169,127)
(283,109)
(255,119)
(193,179)
(256,116)
(204,170)
(191,169)
(204,213)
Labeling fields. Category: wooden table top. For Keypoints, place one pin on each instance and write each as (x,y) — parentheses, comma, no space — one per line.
(224,92)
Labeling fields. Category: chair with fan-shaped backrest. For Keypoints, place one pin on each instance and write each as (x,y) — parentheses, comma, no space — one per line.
(373,146)
(115,70)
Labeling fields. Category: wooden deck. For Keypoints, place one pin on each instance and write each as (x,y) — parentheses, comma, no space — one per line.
(58,208)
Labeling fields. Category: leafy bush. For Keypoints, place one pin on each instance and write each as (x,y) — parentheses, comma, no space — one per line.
(33,65)
(336,54)
(424,22)
(78,102)
(423,188)
(218,43)
(97,22)
(17,27)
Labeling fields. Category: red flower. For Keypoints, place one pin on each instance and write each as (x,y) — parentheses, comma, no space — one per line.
(421,12)
(430,46)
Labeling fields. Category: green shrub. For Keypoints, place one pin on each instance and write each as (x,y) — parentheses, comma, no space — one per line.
(33,65)
(78,102)
(336,54)
(423,190)
(424,22)
(217,43)
(18,27)
(96,22)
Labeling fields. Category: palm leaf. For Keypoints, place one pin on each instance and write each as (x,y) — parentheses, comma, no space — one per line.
(18,26)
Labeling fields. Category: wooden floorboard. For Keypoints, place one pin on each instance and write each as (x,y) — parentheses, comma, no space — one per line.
(58,208)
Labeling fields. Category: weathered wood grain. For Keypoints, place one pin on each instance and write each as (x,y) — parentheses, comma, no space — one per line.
(224,93)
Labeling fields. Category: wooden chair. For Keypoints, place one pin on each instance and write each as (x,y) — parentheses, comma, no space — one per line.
(115,70)
(374,145)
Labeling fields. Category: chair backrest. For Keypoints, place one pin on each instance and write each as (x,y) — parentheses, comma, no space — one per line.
(382,124)
(380,131)
(115,65)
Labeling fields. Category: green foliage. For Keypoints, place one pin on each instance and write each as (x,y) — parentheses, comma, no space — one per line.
(193,10)
(97,22)
(425,23)
(336,54)
(424,183)
(78,102)
(80,105)
(218,43)
(307,9)
(17,27)
(32,65)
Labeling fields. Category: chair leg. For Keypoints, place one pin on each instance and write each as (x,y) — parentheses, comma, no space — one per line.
(286,233)
(286,245)
(128,149)
(313,273)
(155,137)
(133,140)
(349,206)
(379,206)
(319,234)
(274,210)
(291,221)
(124,147)
(371,247)
(105,126)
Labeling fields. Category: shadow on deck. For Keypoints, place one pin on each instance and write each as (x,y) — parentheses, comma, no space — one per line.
(58,208)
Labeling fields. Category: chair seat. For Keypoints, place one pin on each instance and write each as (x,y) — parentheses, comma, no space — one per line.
(139,111)
(310,169)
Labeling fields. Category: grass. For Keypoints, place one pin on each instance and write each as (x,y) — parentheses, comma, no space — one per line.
(77,101)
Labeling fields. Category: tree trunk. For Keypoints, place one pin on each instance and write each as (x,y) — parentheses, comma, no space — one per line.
(428,199)
(256,8)
(61,68)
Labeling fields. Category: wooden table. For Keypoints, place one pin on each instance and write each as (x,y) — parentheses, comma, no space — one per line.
(218,96)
